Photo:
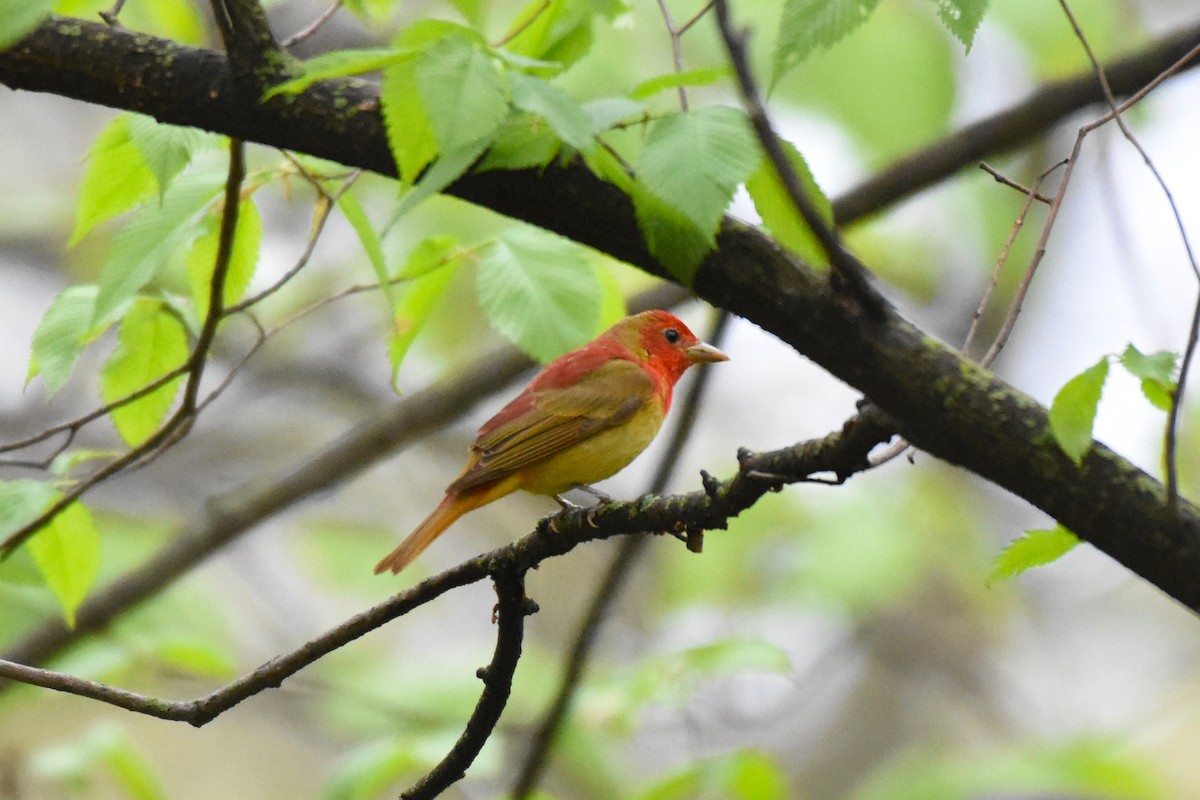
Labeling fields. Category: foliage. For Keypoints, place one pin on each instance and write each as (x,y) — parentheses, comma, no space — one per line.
(804,614)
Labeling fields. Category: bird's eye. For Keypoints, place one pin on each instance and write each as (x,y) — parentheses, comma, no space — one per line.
(671,335)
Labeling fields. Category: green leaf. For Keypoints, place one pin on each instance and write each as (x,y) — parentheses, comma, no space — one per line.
(410,134)
(117,177)
(22,501)
(67,551)
(61,335)
(673,80)
(779,214)
(151,343)
(20,17)
(357,217)
(558,31)
(201,259)
(340,64)
(522,142)
(429,254)
(671,237)
(165,149)
(1034,549)
(1074,410)
(431,265)
(445,171)
(962,18)
(541,291)
(1156,372)
(719,151)
(565,116)
(463,91)
(148,240)
(809,24)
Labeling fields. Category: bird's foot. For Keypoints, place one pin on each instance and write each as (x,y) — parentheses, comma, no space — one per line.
(566,504)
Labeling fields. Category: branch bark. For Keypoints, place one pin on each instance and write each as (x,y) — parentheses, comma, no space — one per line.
(942,402)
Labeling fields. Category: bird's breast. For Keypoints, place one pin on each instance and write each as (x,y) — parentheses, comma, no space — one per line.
(597,457)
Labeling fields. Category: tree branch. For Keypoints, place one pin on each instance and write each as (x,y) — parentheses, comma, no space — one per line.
(944,404)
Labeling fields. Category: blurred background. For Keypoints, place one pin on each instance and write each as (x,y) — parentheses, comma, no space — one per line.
(833,643)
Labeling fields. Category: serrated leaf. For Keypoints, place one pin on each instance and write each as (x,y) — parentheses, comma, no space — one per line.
(1156,373)
(420,295)
(565,116)
(148,239)
(151,343)
(1036,548)
(463,91)
(962,18)
(541,291)
(674,80)
(165,149)
(19,17)
(410,134)
(117,177)
(61,336)
(808,24)
(340,64)
(778,212)
(243,259)
(718,152)
(1073,411)
(67,551)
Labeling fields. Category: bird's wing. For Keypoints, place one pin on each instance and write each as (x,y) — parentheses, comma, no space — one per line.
(547,419)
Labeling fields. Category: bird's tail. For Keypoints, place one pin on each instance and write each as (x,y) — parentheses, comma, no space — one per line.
(451,508)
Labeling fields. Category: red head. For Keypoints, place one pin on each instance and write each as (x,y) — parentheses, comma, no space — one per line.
(663,342)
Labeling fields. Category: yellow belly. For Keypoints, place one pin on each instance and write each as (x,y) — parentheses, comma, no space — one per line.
(597,457)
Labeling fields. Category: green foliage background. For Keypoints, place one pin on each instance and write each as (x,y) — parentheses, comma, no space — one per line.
(834,643)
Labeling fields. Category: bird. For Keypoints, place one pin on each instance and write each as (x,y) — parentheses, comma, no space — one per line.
(583,418)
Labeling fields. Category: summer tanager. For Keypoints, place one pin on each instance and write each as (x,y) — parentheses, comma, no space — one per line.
(581,419)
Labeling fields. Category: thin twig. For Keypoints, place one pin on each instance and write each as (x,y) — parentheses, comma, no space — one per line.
(312,27)
(676,49)
(1007,181)
(180,422)
(845,266)
(1171,433)
(523,25)
(843,452)
(511,609)
(110,16)
(1031,194)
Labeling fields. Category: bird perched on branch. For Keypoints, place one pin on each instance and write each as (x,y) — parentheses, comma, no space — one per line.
(585,416)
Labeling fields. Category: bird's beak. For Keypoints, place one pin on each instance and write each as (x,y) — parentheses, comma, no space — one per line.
(701,353)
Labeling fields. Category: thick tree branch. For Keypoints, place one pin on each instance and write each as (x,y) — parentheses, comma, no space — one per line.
(942,402)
